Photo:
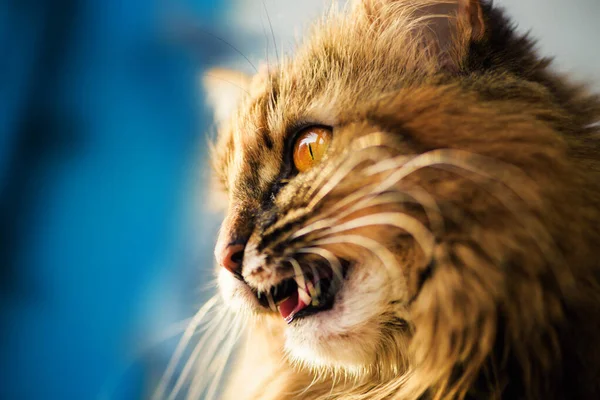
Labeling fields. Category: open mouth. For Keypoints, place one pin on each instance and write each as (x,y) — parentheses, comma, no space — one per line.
(301,296)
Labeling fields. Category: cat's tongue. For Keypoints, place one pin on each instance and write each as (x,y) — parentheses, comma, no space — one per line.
(292,305)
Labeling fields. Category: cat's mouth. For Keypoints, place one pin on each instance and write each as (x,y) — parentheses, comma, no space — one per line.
(305,295)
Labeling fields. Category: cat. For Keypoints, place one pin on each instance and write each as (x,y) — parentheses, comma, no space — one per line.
(413,212)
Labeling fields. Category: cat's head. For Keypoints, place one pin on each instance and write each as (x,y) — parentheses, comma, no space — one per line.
(402,137)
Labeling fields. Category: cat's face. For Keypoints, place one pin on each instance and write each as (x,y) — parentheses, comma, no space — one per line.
(300,194)
(337,244)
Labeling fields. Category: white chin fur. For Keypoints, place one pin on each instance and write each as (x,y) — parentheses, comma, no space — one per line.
(347,335)
(236,295)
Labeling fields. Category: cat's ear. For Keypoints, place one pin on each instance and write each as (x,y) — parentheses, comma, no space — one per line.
(224,89)
(445,26)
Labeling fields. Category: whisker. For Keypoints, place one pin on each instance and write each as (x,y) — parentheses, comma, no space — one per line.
(173,330)
(217,324)
(209,285)
(430,206)
(192,34)
(457,159)
(318,225)
(444,158)
(298,272)
(339,173)
(228,81)
(183,342)
(384,255)
(315,379)
(411,225)
(375,139)
(272,33)
(266,49)
(364,194)
(324,223)
(331,258)
(207,367)
(224,357)
(418,196)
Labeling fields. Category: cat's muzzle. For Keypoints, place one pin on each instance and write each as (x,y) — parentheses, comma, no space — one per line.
(304,294)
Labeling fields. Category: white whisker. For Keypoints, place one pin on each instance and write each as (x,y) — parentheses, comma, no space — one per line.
(313,227)
(299,274)
(444,158)
(375,139)
(456,158)
(416,195)
(224,357)
(207,367)
(340,173)
(411,225)
(386,257)
(331,258)
(170,332)
(430,206)
(217,324)
(187,335)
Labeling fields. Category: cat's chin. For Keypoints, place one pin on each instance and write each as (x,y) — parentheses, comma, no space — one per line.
(347,335)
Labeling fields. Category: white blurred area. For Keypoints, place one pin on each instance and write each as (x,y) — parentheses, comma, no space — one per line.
(566,30)
(260,23)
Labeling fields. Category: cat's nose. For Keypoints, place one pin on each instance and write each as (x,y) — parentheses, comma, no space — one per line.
(230,257)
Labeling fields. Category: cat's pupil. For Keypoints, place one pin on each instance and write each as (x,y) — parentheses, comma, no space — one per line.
(310,147)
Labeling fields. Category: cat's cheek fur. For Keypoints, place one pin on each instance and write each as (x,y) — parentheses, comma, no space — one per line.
(346,336)
(235,294)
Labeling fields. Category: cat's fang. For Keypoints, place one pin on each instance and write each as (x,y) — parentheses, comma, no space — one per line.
(304,296)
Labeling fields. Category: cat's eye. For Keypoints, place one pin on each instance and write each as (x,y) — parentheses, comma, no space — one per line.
(310,147)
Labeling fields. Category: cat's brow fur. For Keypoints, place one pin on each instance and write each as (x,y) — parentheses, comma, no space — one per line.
(509,304)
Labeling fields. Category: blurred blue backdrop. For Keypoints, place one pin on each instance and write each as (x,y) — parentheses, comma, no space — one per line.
(100,144)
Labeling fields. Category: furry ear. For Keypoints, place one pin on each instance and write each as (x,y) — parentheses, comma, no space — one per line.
(446,27)
(472,14)
(224,89)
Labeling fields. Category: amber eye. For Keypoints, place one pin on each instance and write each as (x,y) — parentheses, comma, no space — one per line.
(310,147)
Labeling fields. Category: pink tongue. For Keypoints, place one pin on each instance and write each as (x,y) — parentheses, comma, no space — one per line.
(290,306)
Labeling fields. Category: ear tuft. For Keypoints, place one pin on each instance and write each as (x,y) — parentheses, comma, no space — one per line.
(472,12)
(224,89)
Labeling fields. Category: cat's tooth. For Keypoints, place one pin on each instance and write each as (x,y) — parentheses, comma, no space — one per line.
(302,295)
(298,275)
(302,284)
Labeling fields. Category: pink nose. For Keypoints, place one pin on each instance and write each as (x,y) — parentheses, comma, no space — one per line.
(231,257)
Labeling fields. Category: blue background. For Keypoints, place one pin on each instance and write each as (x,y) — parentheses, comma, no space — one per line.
(100,146)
